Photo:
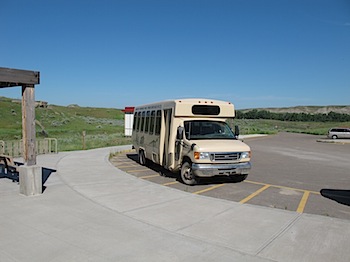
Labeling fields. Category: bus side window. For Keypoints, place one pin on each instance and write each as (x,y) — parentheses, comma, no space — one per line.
(151,124)
(147,121)
(158,122)
(142,121)
(134,122)
(138,121)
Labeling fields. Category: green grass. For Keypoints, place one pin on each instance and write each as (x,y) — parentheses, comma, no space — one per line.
(262,126)
(105,126)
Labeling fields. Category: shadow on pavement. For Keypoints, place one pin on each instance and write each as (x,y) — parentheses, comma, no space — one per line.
(339,195)
(12,173)
(176,175)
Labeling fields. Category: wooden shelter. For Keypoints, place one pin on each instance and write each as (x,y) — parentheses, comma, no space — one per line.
(27,80)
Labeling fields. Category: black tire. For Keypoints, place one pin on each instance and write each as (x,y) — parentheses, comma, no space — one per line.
(187,175)
(334,137)
(142,158)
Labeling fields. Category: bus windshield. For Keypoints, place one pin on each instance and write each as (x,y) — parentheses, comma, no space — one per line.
(205,129)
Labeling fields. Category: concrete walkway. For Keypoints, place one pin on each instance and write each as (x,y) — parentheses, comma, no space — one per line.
(91,211)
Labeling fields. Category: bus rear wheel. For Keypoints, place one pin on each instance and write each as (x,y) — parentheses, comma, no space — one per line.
(187,175)
(142,158)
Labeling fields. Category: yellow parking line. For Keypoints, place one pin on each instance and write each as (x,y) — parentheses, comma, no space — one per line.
(125,166)
(285,187)
(208,189)
(170,183)
(254,194)
(150,176)
(138,170)
(253,182)
(303,201)
(296,189)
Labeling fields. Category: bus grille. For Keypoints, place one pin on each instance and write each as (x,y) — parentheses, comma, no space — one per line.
(230,156)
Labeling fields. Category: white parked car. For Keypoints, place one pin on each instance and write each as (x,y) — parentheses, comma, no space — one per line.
(339,132)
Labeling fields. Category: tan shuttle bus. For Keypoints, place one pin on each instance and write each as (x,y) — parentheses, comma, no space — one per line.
(190,136)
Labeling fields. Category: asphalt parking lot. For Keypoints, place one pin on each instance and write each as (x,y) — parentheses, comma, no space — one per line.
(288,172)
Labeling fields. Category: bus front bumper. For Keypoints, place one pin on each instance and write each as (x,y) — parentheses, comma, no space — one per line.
(210,170)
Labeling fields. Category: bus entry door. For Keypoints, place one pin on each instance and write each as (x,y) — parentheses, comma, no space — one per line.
(167,156)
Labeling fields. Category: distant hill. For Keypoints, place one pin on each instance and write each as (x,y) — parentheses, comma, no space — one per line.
(344,109)
(305,109)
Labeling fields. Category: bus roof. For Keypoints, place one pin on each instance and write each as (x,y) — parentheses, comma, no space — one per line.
(196,107)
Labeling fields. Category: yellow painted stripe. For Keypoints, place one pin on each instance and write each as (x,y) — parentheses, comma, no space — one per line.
(254,194)
(150,176)
(291,188)
(170,183)
(253,182)
(301,190)
(208,189)
(138,170)
(303,202)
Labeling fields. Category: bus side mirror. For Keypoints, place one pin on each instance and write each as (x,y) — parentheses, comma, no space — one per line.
(180,132)
(236,132)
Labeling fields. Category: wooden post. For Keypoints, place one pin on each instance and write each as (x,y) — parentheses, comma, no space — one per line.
(84,134)
(28,124)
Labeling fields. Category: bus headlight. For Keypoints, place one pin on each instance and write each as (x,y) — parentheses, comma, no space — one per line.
(245,155)
(201,155)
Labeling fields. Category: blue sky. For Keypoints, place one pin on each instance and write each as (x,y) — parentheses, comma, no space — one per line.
(113,53)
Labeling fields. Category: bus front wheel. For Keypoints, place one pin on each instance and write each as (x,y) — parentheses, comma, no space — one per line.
(187,175)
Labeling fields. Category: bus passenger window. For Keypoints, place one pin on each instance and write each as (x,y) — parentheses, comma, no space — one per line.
(143,121)
(151,124)
(134,125)
(147,121)
(138,121)
(158,122)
